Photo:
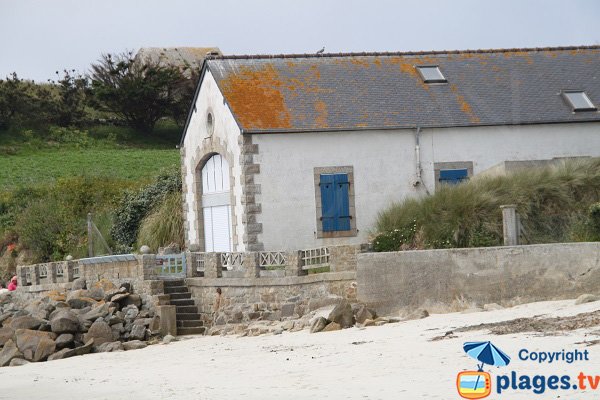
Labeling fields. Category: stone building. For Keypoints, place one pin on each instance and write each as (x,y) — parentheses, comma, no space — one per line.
(298,151)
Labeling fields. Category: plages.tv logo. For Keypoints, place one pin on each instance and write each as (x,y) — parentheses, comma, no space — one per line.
(478,384)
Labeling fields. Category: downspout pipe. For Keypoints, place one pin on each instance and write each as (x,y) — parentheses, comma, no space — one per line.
(418,170)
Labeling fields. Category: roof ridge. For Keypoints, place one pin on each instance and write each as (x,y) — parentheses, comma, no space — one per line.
(398,53)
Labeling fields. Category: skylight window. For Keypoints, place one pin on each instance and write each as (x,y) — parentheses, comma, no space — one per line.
(431,74)
(578,100)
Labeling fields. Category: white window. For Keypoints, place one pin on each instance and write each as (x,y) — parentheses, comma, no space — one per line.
(431,74)
(578,100)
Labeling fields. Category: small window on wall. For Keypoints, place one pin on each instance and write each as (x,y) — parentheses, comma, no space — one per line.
(453,176)
(334,195)
(452,173)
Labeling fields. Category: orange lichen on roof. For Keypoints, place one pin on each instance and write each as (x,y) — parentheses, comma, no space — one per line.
(321,116)
(360,61)
(254,95)
(466,108)
(377,62)
(523,54)
(315,70)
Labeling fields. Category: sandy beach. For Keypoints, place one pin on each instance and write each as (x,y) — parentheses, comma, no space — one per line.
(395,361)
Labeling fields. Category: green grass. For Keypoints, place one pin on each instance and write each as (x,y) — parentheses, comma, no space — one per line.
(45,166)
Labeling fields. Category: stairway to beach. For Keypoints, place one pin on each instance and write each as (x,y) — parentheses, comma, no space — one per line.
(188,319)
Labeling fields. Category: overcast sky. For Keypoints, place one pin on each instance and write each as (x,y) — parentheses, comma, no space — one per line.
(38,37)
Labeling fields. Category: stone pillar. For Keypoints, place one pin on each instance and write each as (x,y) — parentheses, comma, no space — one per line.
(21,276)
(148,263)
(35,275)
(68,271)
(168,320)
(190,264)
(293,266)
(510,225)
(250,263)
(52,271)
(343,258)
(212,265)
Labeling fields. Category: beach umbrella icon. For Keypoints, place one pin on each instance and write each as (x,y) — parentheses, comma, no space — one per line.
(486,353)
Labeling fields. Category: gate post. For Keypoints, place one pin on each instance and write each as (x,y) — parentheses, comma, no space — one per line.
(510,226)
(212,265)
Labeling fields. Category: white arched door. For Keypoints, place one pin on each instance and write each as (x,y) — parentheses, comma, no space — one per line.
(216,205)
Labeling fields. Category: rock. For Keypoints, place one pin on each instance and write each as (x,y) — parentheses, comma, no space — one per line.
(5,316)
(100,332)
(138,332)
(105,285)
(314,304)
(342,314)
(78,284)
(109,347)
(60,354)
(363,313)
(26,322)
(66,353)
(380,323)
(332,326)
(95,313)
(287,325)
(8,353)
(35,345)
(221,320)
(115,319)
(6,333)
(318,325)
(64,340)
(298,326)
(492,307)
(64,321)
(131,312)
(586,298)
(96,294)
(17,362)
(134,345)
(81,302)
(126,286)
(277,331)
(470,310)
(369,322)
(168,339)
(134,299)
(287,310)
(118,297)
(57,296)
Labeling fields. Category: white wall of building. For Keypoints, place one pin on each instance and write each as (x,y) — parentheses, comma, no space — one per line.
(225,130)
(384,168)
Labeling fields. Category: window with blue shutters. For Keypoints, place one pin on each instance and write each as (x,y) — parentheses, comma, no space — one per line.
(453,176)
(334,198)
(335,202)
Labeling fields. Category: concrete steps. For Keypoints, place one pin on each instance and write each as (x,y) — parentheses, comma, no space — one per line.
(188,319)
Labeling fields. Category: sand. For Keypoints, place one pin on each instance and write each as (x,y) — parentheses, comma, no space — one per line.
(395,361)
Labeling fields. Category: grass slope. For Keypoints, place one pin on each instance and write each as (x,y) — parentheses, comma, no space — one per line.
(46,165)
(556,204)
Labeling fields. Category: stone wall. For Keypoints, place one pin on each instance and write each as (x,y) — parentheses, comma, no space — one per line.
(445,279)
(246,299)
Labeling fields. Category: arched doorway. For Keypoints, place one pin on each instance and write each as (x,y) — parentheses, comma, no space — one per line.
(216,205)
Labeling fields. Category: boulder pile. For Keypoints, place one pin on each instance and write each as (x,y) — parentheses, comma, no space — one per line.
(332,314)
(58,325)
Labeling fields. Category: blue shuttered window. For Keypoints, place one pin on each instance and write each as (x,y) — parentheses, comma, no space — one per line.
(453,176)
(335,202)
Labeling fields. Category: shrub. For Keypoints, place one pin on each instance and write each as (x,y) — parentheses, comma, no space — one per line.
(164,224)
(135,205)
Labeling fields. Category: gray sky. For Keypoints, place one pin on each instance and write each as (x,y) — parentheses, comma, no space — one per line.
(38,37)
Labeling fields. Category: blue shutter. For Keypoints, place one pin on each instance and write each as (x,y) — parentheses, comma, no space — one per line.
(342,202)
(328,202)
(453,176)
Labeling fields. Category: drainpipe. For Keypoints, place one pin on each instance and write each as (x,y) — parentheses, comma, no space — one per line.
(418,181)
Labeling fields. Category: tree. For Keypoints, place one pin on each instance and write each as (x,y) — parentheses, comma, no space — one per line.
(17,100)
(70,105)
(139,91)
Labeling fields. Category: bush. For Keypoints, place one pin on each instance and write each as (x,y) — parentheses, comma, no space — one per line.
(135,205)
(164,224)
(549,200)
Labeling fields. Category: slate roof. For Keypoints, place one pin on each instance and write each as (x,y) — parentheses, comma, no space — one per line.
(289,93)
